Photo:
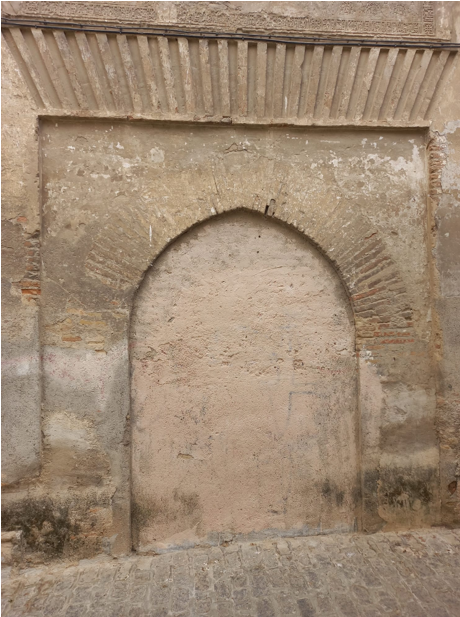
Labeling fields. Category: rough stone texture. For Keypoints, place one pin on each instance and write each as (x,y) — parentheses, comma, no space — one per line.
(379,204)
(20,279)
(399,575)
(445,204)
(447,220)
(244,389)
(11,547)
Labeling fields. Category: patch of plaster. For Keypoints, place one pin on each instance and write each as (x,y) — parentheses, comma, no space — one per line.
(450,127)
(157,155)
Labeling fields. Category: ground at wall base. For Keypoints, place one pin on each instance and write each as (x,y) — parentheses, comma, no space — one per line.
(393,574)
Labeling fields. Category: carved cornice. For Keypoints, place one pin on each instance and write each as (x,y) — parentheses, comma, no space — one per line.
(414,19)
(396,20)
(191,79)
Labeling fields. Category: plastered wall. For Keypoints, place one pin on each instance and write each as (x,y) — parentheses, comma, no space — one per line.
(116,194)
(90,203)
(244,389)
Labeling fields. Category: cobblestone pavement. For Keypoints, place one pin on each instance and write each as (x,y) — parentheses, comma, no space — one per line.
(413,574)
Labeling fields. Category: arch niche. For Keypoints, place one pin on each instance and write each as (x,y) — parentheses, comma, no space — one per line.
(244,389)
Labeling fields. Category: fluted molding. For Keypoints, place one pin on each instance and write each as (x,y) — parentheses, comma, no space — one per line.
(180,78)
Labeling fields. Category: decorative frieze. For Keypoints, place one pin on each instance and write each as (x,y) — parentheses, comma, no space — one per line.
(351,18)
(374,19)
(180,78)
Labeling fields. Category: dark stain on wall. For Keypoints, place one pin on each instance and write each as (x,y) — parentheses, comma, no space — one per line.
(409,489)
(332,492)
(53,529)
(47,527)
(181,508)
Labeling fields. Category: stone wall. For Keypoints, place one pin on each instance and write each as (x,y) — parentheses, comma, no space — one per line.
(92,197)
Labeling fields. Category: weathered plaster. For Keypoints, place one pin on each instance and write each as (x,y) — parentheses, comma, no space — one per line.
(116,194)
(244,389)
(20,282)
(378,203)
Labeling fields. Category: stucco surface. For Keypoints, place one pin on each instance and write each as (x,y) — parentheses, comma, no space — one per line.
(116,194)
(244,391)
(20,226)
(96,188)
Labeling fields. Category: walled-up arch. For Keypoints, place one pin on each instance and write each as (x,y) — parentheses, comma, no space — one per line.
(126,140)
(163,182)
(244,389)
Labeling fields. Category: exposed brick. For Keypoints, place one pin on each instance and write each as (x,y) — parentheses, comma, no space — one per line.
(366,294)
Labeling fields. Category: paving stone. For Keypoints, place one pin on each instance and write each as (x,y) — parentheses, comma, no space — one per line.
(287,603)
(381,575)
(306,608)
(265,608)
(269,559)
(283,547)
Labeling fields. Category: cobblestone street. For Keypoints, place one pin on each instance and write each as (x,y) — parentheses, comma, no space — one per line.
(413,574)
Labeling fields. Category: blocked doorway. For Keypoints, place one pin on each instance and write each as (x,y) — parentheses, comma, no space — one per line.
(244,389)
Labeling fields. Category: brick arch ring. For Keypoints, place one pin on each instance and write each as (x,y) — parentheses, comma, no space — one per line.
(381,307)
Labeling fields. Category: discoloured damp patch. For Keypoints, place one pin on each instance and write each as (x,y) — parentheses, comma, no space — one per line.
(181,510)
(407,494)
(59,527)
(47,527)
(333,492)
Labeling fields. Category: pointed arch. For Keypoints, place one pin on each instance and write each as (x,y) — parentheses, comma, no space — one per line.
(244,388)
